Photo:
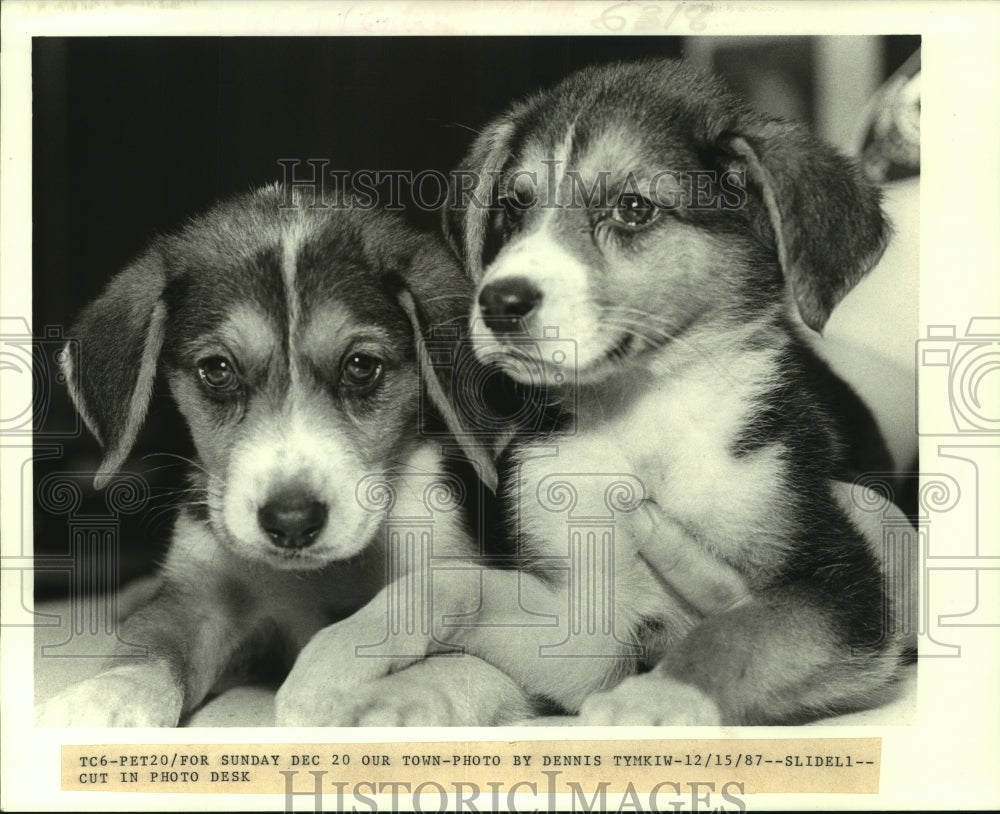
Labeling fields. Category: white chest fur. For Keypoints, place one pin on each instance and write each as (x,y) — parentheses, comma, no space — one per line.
(672,437)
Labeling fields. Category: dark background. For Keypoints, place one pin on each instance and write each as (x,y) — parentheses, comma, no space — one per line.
(131,136)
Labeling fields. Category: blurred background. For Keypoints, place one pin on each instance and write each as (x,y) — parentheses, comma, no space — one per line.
(134,135)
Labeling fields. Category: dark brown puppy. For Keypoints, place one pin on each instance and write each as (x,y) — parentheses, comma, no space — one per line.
(643,212)
(645,248)
(287,335)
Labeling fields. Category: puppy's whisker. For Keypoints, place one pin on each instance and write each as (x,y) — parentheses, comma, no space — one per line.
(396,467)
(190,504)
(167,494)
(657,337)
(645,317)
(181,459)
(164,468)
(447,297)
(463,127)
(157,514)
(629,312)
(705,355)
(458,319)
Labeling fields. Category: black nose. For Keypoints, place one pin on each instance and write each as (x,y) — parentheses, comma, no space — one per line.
(292,521)
(506,302)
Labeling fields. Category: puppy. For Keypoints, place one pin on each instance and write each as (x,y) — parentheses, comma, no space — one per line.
(647,252)
(286,334)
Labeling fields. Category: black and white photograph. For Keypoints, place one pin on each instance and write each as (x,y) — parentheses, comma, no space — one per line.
(562,376)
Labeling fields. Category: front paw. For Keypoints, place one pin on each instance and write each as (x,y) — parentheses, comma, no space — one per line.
(122,696)
(309,699)
(298,705)
(400,700)
(651,699)
(323,680)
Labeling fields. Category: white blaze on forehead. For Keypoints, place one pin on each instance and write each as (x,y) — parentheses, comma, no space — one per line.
(616,161)
(560,158)
(292,239)
(547,170)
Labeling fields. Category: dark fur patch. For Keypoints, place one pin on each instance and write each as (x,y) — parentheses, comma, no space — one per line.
(818,419)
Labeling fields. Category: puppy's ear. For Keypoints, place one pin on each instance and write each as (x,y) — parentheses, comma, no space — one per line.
(825,216)
(471,195)
(111,366)
(436,297)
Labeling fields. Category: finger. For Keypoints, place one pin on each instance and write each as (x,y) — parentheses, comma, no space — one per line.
(688,569)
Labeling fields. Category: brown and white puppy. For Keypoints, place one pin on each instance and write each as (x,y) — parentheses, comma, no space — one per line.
(287,336)
(645,248)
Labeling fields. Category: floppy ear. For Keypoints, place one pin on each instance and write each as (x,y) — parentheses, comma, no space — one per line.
(436,296)
(471,193)
(111,367)
(824,215)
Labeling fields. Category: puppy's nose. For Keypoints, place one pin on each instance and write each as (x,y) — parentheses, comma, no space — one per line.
(292,521)
(505,303)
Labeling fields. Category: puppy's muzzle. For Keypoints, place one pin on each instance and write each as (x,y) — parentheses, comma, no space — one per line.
(507,304)
(292,519)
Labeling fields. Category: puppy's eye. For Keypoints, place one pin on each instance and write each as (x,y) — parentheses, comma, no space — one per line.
(515,204)
(361,371)
(218,374)
(632,209)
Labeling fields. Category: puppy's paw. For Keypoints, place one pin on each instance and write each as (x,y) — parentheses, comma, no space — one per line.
(296,704)
(389,703)
(323,680)
(122,696)
(381,702)
(650,700)
(377,708)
